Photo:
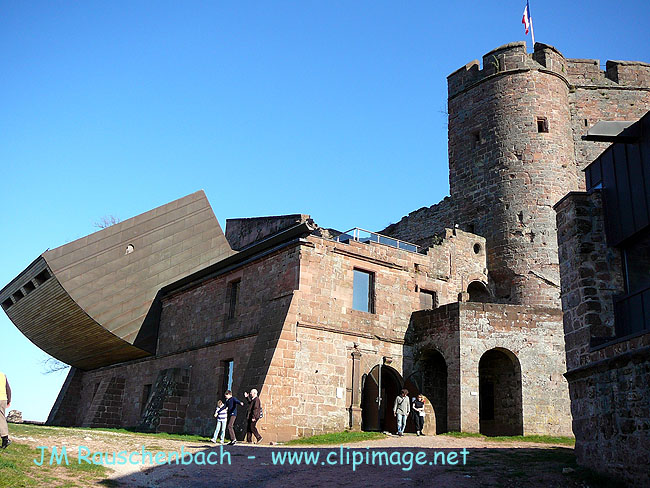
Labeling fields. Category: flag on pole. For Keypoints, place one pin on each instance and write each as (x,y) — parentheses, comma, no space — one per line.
(528,22)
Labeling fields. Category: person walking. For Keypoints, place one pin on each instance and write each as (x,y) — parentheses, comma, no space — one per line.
(418,413)
(254,414)
(221,414)
(5,403)
(401,410)
(231,403)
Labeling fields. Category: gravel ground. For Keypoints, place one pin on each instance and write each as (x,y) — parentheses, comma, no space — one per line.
(505,464)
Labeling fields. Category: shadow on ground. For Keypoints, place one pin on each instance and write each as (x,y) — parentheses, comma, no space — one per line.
(251,466)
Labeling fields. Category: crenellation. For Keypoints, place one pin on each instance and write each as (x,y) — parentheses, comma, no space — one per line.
(629,73)
(463,77)
(585,71)
(550,58)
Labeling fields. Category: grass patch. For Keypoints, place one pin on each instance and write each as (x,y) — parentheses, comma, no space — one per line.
(17,468)
(541,439)
(155,435)
(337,438)
(27,430)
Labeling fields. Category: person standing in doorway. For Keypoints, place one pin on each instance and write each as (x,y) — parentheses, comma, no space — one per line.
(401,409)
(418,413)
(231,403)
(254,414)
(5,403)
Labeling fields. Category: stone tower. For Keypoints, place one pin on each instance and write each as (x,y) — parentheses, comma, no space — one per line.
(511,157)
(516,147)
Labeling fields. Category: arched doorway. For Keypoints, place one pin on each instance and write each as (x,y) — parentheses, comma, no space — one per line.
(376,409)
(478,292)
(500,407)
(432,382)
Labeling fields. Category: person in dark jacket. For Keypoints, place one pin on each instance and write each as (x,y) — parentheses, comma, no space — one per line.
(5,402)
(231,404)
(418,413)
(254,414)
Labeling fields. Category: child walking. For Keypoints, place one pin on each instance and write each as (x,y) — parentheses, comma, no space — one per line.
(221,413)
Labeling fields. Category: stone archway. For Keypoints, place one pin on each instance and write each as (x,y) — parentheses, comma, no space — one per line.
(378,415)
(478,292)
(432,379)
(500,405)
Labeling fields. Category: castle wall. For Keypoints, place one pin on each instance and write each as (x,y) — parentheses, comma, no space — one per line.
(242,233)
(531,336)
(608,378)
(592,274)
(312,383)
(621,92)
(197,335)
(291,337)
(422,226)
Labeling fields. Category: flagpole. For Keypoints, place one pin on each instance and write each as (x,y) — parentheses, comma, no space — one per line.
(532,32)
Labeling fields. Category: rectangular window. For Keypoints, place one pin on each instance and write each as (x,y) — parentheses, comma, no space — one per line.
(233,298)
(542,124)
(42,277)
(637,264)
(363,291)
(228,366)
(428,299)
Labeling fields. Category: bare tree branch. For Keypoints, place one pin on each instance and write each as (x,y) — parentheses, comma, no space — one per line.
(107,221)
(52,365)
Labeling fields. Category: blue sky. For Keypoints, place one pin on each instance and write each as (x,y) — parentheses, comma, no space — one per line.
(330,108)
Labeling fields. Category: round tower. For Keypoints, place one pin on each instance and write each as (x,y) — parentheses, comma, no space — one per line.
(511,158)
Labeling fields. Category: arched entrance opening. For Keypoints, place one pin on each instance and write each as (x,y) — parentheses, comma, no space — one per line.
(432,379)
(478,292)
(500,406)
(376,408)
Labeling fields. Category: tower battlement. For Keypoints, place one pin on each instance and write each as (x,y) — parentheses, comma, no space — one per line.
(513,57)
(587,72)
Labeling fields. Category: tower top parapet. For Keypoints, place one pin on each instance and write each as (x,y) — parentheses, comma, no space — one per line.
(512,58)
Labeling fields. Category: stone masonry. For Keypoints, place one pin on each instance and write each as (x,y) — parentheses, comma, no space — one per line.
(294,336)
(610,391)
(515,149)
(532,339)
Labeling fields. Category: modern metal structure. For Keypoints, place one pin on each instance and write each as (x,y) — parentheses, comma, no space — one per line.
(92,302)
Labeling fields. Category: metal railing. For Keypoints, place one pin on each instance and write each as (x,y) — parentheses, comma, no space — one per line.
(362,235)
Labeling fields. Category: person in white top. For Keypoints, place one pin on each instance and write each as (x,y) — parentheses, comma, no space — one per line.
(5,403)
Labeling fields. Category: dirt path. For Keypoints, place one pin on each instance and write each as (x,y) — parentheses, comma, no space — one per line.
(440,463)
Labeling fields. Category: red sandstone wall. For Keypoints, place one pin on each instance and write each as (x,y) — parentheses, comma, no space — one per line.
(310,382)
(464,332)
(622,92)
(504,176)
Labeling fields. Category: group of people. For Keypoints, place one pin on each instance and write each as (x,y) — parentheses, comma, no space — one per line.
(226,414)
(404,406)
(5,402)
